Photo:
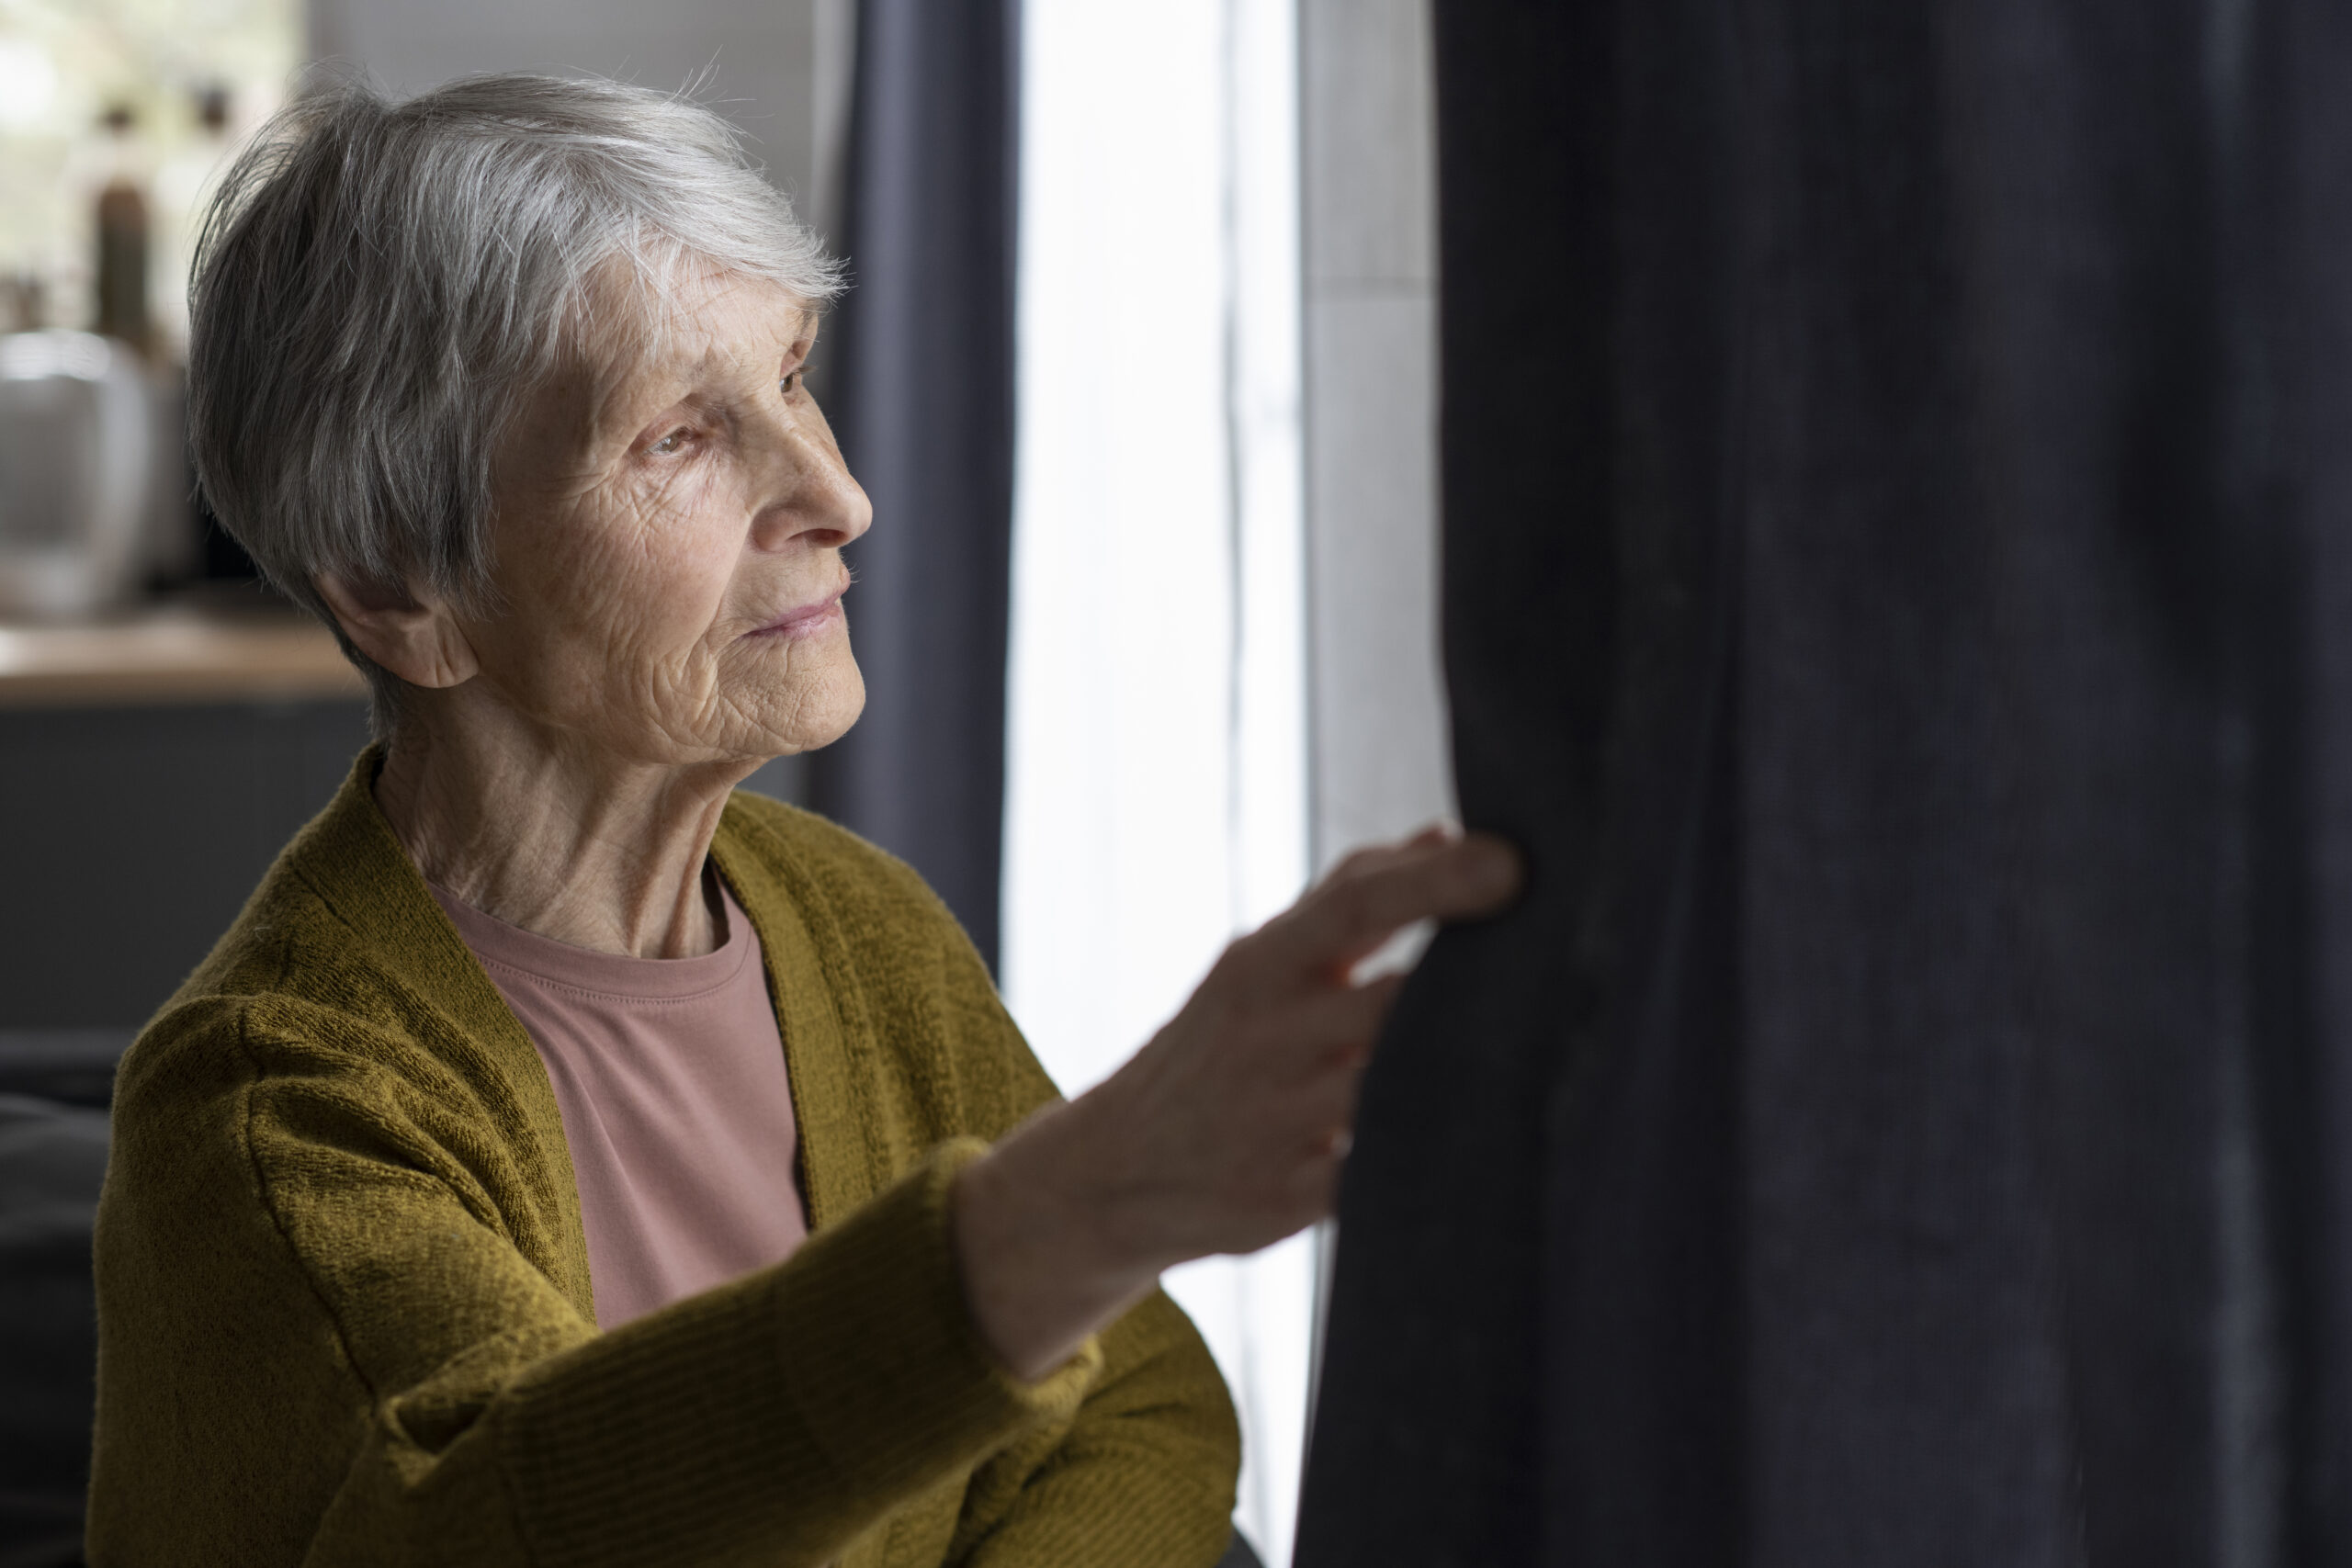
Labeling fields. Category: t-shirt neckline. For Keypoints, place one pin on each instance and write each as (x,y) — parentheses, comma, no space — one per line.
(618,976)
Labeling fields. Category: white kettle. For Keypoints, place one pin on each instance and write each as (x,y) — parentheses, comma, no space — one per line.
(76,461)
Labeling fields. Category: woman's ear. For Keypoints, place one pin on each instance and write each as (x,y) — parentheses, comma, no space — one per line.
(406,629)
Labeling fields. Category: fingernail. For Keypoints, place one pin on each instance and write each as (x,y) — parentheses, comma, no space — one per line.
(1495,869)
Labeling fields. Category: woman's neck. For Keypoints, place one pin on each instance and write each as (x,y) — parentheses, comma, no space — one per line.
(545,833)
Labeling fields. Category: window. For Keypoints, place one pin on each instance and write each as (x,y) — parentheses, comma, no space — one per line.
(1156,784)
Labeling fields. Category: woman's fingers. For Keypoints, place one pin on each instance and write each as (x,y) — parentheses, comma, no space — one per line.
(1368,858)
(1328,1043)
(1327,1028)
(1375,893)
(1235,1116)
(1325,1105)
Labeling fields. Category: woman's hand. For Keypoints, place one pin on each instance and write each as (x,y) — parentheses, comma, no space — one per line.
(1223,1134)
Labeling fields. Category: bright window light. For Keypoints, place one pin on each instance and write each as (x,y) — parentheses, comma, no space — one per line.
(1156,790)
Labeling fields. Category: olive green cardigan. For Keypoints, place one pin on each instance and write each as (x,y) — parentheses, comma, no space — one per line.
(344,1305)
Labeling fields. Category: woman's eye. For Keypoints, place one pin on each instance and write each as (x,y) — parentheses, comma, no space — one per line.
(673,442)
(790,384)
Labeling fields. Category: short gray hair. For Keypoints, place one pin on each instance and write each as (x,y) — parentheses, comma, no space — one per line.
(379,285)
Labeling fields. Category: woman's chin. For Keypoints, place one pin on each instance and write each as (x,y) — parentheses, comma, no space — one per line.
(818,710)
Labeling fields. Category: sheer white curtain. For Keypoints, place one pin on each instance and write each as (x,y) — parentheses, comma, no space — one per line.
(1157,779)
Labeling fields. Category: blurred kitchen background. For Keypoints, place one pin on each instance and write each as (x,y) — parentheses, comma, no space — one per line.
(1148,610)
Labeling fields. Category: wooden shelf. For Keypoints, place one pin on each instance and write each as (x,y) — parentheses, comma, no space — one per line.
(173,656)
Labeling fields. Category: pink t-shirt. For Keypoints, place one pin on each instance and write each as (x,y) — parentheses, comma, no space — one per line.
(670,1076)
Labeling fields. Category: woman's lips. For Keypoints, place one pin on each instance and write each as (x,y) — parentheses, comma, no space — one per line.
(807,620)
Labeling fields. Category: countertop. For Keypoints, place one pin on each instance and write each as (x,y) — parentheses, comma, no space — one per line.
(173,654)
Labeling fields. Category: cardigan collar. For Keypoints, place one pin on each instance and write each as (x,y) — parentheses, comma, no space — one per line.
(350,857)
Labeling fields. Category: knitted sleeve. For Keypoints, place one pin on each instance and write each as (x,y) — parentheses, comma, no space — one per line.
(1143,1475)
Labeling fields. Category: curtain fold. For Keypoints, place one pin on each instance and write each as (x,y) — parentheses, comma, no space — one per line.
(920,363)
(1898,592)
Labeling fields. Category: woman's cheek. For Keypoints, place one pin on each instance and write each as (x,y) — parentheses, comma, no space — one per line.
(685,582)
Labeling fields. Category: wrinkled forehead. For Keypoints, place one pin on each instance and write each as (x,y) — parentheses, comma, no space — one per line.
(633,326)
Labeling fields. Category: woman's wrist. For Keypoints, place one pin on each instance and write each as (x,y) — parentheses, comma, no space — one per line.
(1047,1258)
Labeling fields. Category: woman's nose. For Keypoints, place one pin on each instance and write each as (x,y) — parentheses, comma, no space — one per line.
(808,495)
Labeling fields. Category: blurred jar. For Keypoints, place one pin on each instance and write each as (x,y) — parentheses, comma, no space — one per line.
(77,456)
(120,277)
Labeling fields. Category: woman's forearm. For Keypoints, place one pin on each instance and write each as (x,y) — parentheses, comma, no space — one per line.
(1046,1259)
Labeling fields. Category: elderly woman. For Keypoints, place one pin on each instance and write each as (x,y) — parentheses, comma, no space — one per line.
(565,1159)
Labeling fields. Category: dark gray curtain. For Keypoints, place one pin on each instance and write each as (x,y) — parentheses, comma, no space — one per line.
(920,391)
(1898,509)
